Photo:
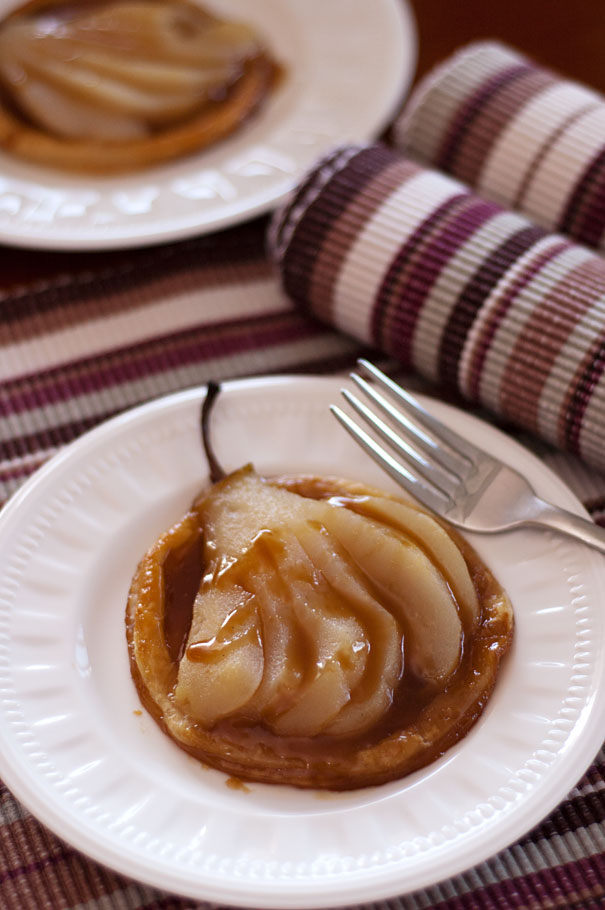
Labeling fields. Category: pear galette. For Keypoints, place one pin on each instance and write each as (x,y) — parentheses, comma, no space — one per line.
(109,85)
(314,632)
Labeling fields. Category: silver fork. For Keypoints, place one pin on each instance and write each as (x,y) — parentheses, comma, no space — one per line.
(446,472)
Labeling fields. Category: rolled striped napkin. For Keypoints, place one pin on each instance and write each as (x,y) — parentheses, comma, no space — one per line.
(468,294)
(517,134)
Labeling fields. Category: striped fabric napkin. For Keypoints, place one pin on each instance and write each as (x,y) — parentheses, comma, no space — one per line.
(517,134)
(472,295)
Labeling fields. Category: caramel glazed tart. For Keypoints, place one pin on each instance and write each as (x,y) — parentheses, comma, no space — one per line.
(104,86)
(314,632)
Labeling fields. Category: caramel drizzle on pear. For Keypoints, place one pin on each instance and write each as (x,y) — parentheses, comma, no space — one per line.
(419,725)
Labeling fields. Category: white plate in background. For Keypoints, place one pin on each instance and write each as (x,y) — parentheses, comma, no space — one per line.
(348,66)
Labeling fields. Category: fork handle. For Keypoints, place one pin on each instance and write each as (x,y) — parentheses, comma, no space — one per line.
(566,522)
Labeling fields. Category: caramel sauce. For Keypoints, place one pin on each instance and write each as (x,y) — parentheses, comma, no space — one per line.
(238,627)
(301,651)
(234,783)
(183,569)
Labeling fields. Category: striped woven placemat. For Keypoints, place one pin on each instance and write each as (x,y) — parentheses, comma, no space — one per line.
(94,336)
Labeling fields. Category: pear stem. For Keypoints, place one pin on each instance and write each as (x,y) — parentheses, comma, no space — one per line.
(216,470)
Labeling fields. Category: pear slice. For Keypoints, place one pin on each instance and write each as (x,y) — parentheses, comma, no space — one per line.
(223,664)
(380,642)
(241,506)
(424,530)
(71,117)
(292,599)
(318,703)
(414,587)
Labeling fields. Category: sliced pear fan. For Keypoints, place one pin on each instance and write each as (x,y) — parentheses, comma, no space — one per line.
(340,586)
(124,83)
(338,638)
(132,61)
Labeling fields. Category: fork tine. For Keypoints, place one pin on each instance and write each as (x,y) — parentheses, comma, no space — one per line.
(456,443)
(432,472)
(455,464)
(417,487)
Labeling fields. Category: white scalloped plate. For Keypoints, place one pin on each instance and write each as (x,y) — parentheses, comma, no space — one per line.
(348,65)
(78,752)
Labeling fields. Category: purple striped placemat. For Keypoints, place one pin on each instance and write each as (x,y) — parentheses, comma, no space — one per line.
(517,133)
(81,347)
(88,343)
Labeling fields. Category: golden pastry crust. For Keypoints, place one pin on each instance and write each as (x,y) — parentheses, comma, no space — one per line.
(420,724)
(212,122)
